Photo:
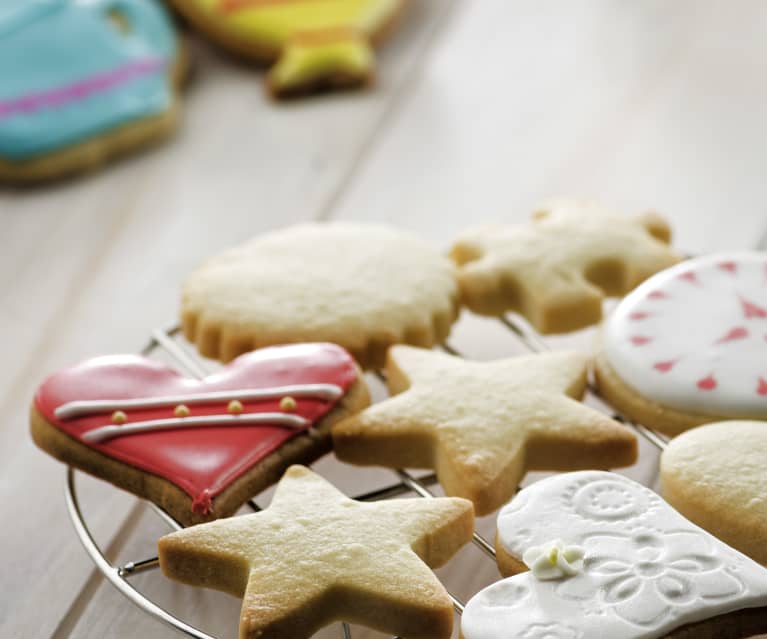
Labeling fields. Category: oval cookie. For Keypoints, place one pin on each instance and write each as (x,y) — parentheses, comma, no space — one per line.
(716,475)
(689,346)
(82,81)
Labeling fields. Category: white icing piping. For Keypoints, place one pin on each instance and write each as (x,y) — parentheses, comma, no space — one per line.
(105,433)
(75,409)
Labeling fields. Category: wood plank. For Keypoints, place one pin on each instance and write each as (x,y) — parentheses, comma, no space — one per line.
(110,251)
(519,101)
(643,105)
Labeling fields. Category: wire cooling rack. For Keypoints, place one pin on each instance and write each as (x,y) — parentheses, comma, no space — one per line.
(164,340)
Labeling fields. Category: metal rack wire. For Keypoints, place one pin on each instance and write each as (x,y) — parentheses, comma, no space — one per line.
(163,340)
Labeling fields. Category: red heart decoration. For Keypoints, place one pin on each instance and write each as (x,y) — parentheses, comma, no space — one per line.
(739,332)
(707,383)
(665,367)
(201,460)
(751,310)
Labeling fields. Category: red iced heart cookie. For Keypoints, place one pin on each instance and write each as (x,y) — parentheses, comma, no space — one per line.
(200,435)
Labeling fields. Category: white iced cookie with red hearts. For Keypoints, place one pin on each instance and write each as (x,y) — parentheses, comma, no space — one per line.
(608,558)
(689,346)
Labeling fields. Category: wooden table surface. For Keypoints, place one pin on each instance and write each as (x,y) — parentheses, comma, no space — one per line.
(483,108)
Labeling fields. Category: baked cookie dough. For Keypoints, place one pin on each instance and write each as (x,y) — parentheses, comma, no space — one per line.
(364,287)
(315,556)
(483,425)
(716,476)
(557,270)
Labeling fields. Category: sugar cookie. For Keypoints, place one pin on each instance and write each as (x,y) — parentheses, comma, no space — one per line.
(716,475)
(689,346)
(315,556)
(102,81)
(199,449)
(482,425)
(557,270)
(364,287)
(314,44)
(639,571)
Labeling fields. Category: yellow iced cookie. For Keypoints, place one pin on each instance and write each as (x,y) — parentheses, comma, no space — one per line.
(314,44)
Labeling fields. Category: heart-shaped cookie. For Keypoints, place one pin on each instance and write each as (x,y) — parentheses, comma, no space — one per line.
(716,475)
(611,559)
(199,448)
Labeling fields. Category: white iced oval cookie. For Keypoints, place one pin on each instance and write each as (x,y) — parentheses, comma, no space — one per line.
(646,570)
(694,337)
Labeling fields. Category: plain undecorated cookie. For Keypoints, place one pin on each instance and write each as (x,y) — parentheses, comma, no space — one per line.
(716,476)
(557,270)
(103,80)
(483,425)
(364,287)
(197,448)
(609,558)
(315,556)
(688,346)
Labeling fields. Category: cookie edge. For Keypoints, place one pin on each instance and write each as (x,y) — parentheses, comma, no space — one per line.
(302,449)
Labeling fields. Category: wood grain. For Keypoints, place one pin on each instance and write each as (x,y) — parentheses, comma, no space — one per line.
(483,109)
(92,265)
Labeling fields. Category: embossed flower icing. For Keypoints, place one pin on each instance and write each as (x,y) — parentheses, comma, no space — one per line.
(551,631)
(612,500)
(647,577)
(554,560)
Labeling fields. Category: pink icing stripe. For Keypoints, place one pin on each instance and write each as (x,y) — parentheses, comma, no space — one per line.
(80,90)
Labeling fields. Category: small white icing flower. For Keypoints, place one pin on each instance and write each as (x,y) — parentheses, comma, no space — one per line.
(554,560)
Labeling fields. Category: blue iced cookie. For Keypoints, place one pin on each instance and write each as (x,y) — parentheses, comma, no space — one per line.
(82,80)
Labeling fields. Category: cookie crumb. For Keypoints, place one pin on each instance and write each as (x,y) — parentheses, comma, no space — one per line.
(234,407)
(182,410)
(118,417)
(288,403)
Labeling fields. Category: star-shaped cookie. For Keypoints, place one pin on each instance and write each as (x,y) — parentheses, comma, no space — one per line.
(482,425)
(315,557)
(557,270)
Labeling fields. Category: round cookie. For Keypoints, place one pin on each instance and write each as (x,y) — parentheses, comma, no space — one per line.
(81,82)
(715,475)
(689,346)
(315,44)
(361,286)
